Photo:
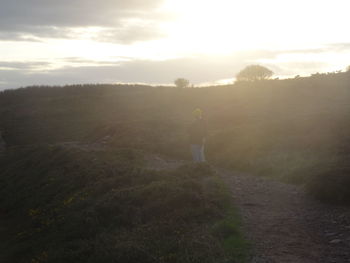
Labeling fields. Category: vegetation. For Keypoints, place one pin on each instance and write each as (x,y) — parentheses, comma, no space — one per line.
(295,130)
(254,73)
(182,83)
(65,204)
(2,144)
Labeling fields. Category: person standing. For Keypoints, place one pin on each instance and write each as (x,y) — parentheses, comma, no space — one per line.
(197,135)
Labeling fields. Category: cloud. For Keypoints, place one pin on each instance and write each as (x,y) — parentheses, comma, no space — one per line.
(122,21)
(17,36)
(123,70)
(345,46)
(334,47)
(10,65)
(198,69)
(130,33)
(71,13)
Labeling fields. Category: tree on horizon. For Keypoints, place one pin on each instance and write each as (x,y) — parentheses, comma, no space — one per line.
(253,73)
(182,83)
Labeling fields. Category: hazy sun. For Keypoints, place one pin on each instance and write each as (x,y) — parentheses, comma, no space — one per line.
(229,25)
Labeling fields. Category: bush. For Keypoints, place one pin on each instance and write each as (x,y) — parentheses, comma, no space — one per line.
(76,206)
(331,185)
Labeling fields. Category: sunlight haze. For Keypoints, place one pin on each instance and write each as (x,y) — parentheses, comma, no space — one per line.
(157,41)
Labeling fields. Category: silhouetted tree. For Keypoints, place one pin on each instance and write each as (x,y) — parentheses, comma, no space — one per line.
(182,83)
(254,72)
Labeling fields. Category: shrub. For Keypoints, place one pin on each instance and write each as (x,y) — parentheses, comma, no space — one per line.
(71,205)
(331,185)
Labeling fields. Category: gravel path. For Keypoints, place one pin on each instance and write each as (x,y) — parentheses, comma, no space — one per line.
(284,224)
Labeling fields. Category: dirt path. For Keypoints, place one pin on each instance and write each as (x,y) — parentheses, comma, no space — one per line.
(286,225)
(281,221)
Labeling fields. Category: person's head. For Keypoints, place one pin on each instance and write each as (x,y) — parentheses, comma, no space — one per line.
(197,113)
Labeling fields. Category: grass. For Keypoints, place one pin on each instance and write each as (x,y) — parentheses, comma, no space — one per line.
(67,205)
(330,180)
(228,229)
(279,128)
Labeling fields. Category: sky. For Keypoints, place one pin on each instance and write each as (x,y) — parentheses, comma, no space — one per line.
(156,41)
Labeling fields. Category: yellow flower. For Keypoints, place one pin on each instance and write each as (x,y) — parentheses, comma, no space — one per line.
(33,212)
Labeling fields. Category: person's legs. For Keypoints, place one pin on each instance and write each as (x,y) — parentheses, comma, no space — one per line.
(196,152)
(201,154)
(193,151)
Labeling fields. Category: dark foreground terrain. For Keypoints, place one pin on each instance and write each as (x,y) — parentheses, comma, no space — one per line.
(78,182)
(81,203)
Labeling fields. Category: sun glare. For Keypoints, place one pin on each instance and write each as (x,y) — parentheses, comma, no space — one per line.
(206,26)
(311,34)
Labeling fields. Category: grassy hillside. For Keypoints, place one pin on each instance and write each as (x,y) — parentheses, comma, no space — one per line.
(64,204)
(295,129)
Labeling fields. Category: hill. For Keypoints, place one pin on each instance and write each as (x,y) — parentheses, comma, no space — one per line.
(75,186)
(294,129)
